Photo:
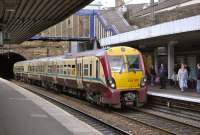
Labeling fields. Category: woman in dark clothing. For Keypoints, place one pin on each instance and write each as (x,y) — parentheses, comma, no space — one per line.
(162,75)
(152,75)
(198,78)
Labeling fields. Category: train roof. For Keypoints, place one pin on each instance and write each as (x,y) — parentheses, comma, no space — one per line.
(98,52)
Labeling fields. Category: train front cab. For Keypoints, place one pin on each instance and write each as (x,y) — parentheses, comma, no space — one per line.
(127,76)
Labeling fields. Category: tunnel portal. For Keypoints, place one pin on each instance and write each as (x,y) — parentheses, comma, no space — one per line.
(7,61)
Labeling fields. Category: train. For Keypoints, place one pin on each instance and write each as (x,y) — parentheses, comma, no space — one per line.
(113,77)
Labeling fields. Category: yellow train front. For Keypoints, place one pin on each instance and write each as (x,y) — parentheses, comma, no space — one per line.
(127,76)
(114,76)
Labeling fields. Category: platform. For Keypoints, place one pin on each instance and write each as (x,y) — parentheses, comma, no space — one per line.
(24,113)
(189,95)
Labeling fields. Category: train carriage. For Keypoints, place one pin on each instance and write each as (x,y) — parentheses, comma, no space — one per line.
(18,70)
(115,76)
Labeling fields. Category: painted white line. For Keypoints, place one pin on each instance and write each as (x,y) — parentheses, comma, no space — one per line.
(178,97)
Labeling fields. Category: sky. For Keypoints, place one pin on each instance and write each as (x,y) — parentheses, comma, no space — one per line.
(111,3)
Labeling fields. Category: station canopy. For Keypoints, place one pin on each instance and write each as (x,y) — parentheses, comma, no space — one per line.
(22,19)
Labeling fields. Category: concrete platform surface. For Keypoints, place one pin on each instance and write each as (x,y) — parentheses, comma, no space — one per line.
(189,95)
(24,113)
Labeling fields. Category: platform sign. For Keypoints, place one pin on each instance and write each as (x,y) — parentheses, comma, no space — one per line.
(1,38)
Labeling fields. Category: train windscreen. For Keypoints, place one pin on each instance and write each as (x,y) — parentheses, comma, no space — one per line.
(133,62)
(116,63)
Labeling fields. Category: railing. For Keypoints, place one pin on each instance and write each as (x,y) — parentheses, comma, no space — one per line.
(105,24)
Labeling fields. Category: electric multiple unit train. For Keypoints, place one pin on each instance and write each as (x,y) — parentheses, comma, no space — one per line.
(114,76)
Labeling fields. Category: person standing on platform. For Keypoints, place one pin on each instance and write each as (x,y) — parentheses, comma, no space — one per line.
(162,75)
(198,78)
(182,77)
(153,76)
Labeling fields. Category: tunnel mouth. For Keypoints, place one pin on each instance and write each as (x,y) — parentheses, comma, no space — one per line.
(7,60)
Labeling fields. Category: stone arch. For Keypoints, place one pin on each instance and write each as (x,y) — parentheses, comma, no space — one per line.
(7,61)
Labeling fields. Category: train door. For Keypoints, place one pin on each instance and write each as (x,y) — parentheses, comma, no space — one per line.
(79,74)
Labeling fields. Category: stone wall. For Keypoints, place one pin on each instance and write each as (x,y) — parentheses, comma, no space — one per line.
(165,16)
(37,49)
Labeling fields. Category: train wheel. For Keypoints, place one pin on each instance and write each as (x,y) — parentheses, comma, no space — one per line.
(58,88)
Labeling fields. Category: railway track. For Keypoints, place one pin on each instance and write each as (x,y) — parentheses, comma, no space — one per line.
(192,115)
(165,124)
(130,122)
(172,103)
(103,127)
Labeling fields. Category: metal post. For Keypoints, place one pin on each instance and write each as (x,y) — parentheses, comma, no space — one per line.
(152,11)
(170,60)
(91,25)
(156,60)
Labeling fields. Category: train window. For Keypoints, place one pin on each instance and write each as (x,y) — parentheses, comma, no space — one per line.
(90,69)
(81,69)
(50,69)
(65,72)
(85,70)
(61,71)
(77,69)
(73,69)
(58,69)
(116,63)
(53,69)
(133,62)
(97,69)
(68,69)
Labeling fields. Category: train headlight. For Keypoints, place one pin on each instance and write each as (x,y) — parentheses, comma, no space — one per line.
(111,83)
(143,84)
(143,81)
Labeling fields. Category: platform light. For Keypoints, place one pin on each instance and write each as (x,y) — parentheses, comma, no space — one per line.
(10,10)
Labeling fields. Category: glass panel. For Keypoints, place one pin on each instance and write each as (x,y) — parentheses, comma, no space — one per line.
(90,69)
(133,62)
(116,63)
(85,69)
